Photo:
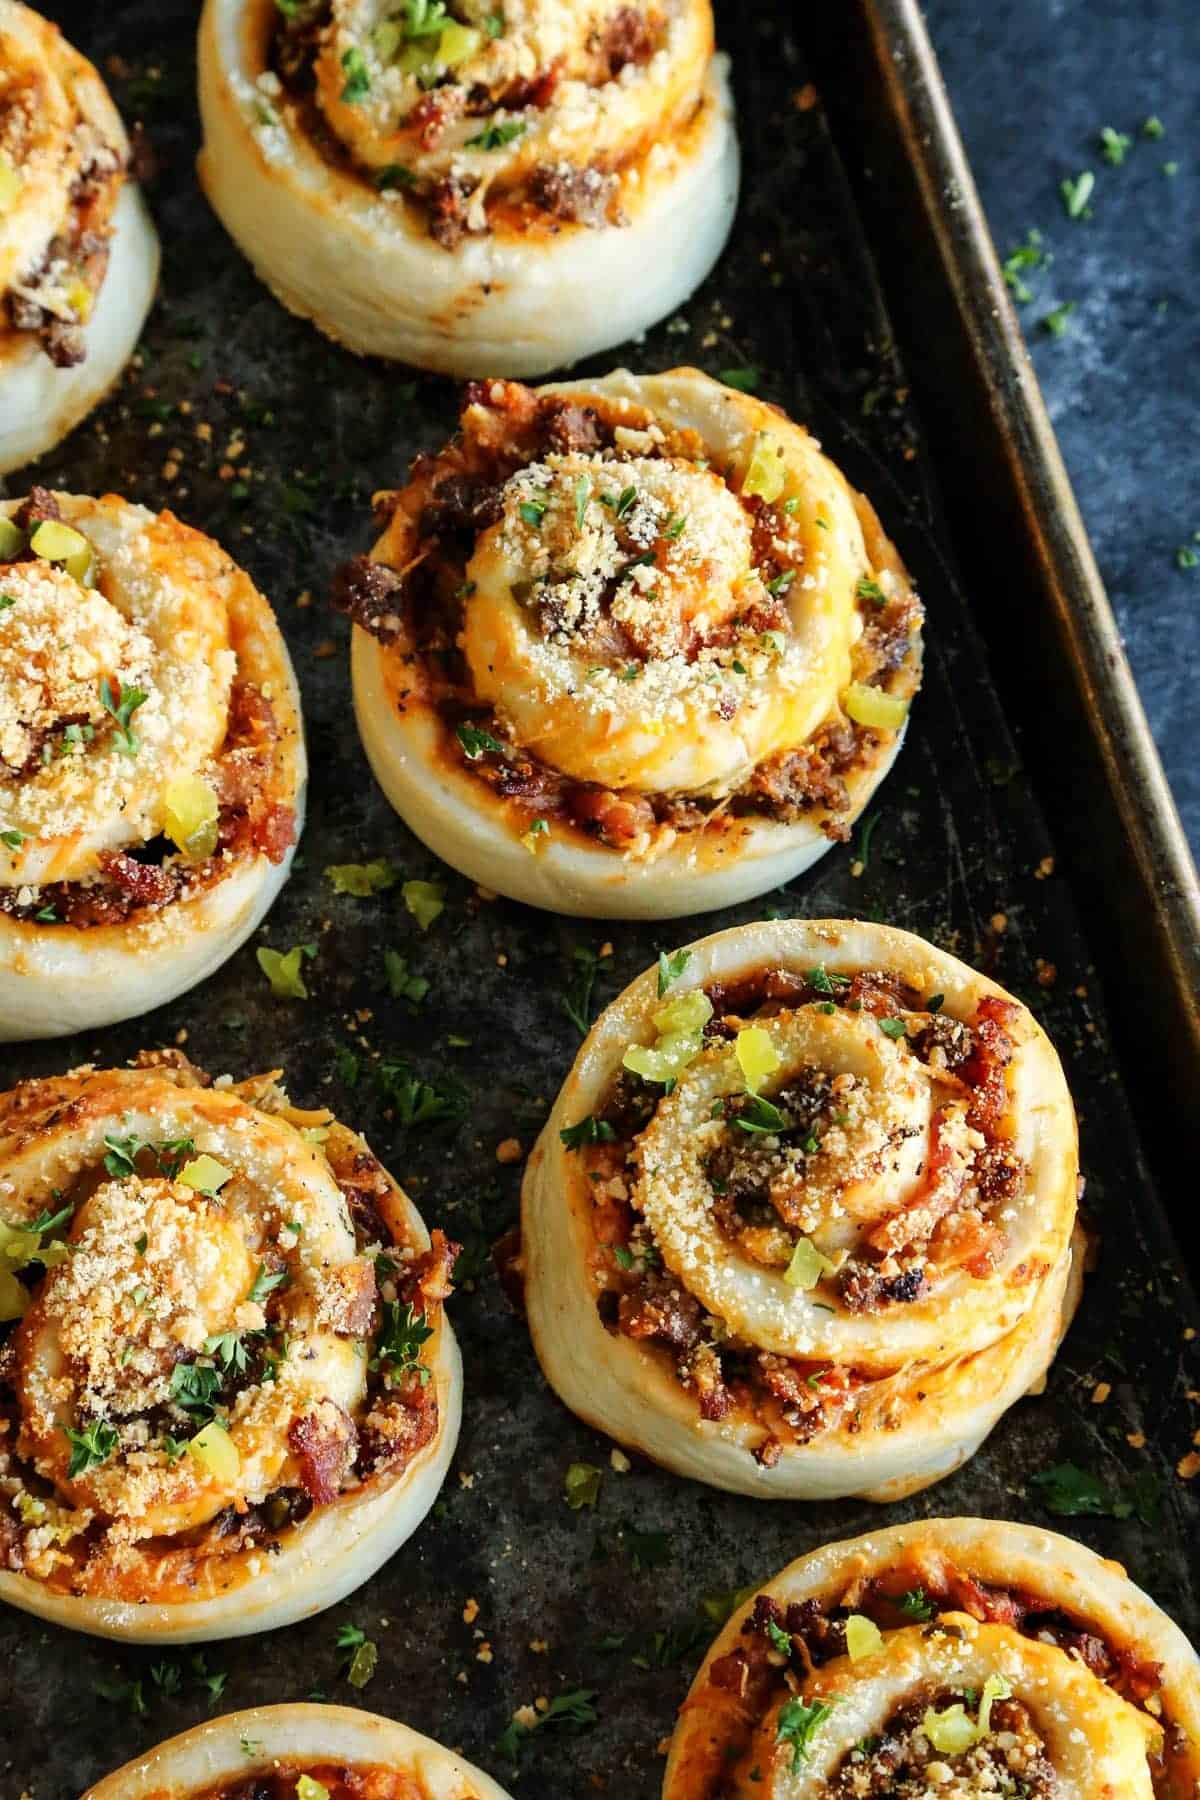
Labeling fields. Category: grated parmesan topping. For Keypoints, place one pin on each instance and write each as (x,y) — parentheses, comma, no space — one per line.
(73,780)
(863,1169)
(588,113)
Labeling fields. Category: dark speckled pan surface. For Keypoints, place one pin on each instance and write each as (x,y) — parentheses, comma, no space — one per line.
(248,424)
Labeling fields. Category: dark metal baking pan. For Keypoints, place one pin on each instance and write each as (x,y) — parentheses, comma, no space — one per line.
(861,287)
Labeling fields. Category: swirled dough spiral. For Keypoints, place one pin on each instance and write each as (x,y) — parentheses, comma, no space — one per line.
(956,1656)
(78,254)
(342,1750)
(151,760)
(802,1220)
(630,647)
(233,1392)
(477,189)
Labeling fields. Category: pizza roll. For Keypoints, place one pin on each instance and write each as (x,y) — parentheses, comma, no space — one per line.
(949,1656)
(298,1752)
(229,1391)
(630,647)
(151,760)
(78,254)
(801,1222)
(475,188)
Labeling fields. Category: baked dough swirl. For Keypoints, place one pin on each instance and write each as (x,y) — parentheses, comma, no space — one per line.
(345,1754)
(630,647)
(801,1222)
(227,1389)
(468,186)
(78,254)
(151,760)
(950,1656)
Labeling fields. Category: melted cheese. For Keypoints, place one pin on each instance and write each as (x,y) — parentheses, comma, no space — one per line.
(1096,1743)
(673,686)
(55,116)
(73,780)
(589,117)
(156,1273)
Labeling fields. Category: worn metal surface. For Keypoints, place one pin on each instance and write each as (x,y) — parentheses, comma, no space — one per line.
(957,842)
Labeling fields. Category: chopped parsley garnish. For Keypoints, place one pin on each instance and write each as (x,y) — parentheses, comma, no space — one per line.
(779,584)
(1056,322)
(759,1115)
(893,1028)
(625,501)
(670,968)
(394,176)
(361,880)
(362,1655)
(780,1640)
(935,1003)
(358,79)
(798,1724)
(282,969)
(494,137)
(914,1605)
(744,380)
(583,493)
(581,1485)
(14,839)
(864,841)
(1076,191)
(122,1693)
(121,703)
(587,1131)
(416,1102)
(644,561)
(576,1002)
(403,985)
(824,983)
(476,741)
(493,24)
(194,1387)
(1070,1492)
(265,1282)
(7,600)
(1029,255)
(399,1340)
(89,1447)
(47,1221)
(571,1709)
(675,526)
(425,900)
(871,590)
(533,512)
(229,1350)
(1114,145)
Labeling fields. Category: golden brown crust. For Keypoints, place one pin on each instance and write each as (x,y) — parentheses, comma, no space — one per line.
(349,1751)
(637,636)
(869,1641)
(230,1335)
(835,1283)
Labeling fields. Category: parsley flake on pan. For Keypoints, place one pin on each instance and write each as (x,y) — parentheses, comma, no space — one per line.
(565,1709)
